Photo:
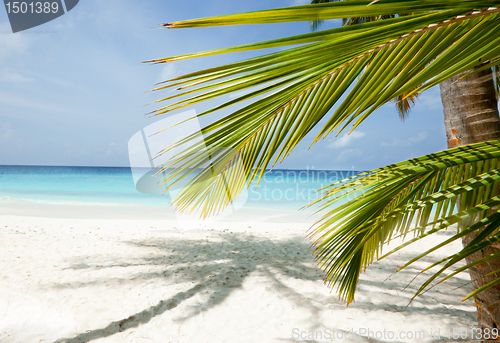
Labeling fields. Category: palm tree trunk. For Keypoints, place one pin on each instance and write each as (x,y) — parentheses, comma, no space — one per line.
(471,116)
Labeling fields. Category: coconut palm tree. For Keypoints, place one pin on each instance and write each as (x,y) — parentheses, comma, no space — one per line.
(371,63)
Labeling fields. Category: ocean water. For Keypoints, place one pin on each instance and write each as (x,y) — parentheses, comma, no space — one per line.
(115,186)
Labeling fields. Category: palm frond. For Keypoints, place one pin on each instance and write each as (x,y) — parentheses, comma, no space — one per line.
(332,10)
(371,63)
(347,21)
(403,102)
(425,190)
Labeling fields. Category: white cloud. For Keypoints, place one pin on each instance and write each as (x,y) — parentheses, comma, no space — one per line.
(6,136)
(346,140)
(116,148)
(347,154)
(12,43)
(6,133)
(408,142)
(9,75)
(20,101)
(63,83)
(430,100)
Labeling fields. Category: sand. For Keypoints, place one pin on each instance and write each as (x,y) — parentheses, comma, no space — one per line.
(101,280)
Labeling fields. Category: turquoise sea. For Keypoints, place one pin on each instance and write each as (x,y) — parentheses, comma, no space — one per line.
(115,186)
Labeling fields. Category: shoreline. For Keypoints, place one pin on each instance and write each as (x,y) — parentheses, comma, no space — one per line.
(90,211)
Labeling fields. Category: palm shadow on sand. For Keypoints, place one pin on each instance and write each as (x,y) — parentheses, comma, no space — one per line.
(221,267)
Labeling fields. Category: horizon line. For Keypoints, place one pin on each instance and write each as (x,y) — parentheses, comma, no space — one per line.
(94,166)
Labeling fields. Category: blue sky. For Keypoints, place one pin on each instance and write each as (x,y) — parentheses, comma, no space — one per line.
(72,90)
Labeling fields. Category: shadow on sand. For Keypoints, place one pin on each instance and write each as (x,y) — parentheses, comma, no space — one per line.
(221,266)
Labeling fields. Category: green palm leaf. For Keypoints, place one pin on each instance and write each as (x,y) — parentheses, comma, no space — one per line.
(371,63)
(350,236)
(357,69)
(332,10)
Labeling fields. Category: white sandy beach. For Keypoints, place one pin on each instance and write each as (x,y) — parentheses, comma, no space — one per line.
(102,280)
